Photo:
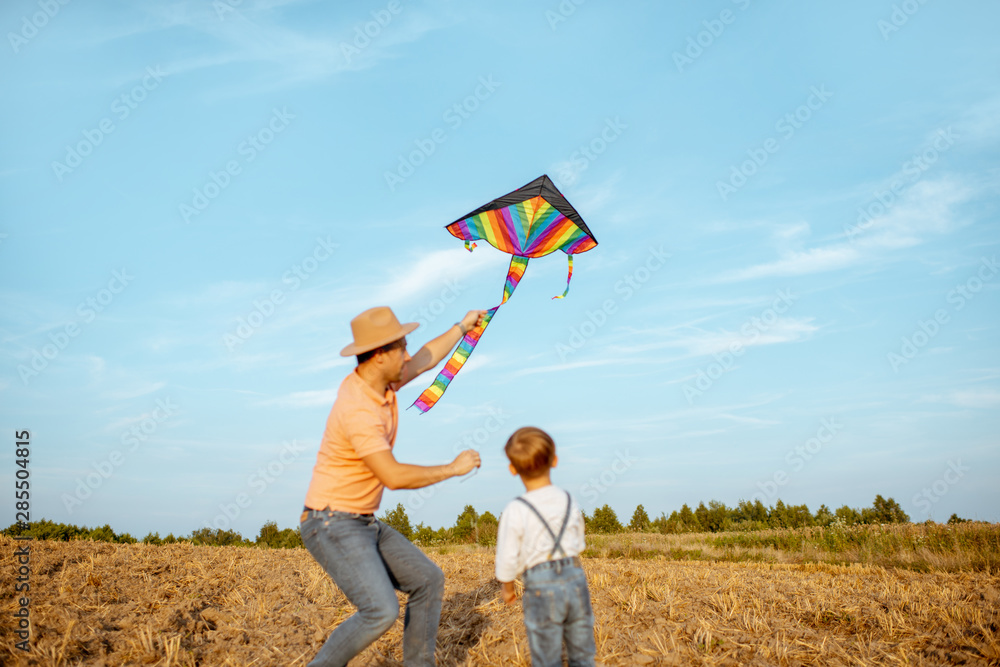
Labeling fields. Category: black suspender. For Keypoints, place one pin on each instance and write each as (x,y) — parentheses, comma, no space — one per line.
(556,539)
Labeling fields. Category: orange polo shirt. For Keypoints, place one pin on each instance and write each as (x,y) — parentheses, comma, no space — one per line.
(361,422)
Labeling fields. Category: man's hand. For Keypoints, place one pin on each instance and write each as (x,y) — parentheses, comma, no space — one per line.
(473,319)
(508,592)
(465,462)
(435,350)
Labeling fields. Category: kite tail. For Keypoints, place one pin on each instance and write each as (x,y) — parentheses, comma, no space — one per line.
(568,278)
(430,396)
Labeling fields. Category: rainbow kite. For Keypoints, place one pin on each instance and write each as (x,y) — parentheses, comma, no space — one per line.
(532,221)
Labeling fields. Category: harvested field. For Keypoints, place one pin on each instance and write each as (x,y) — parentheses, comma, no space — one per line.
(106,604)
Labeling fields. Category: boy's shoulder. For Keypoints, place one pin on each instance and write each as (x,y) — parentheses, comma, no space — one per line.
(546,495)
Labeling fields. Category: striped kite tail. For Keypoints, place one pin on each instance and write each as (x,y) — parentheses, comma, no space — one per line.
(433,393)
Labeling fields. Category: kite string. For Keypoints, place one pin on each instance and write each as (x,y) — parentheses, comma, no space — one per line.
(430,396)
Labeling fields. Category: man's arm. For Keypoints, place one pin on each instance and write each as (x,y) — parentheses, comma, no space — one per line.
(396,475)
(431,354)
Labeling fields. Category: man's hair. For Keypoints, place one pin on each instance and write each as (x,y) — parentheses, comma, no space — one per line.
(531,451)
(388,347)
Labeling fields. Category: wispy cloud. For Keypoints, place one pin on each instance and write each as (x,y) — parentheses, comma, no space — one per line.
(969,398)
(698,342)
(261,33)
(135,390)
(435,271)
(301,399)
(816,260)
(925,209)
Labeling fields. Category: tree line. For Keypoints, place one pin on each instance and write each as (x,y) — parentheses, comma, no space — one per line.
(268,536)
(471,527)
(717,517)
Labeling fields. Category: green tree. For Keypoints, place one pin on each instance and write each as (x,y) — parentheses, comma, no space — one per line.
(217,537)
(102,534)
(425,535)
(661,524)
(824,517)
(955,519)
(268,535)
(289,538)
(778,516)
(848,515)
(701,517)
(640,522)
(717,517)
(605,521)
(687,519)
(465,525)
(397,519)
(798,516)
(750,513)
(488,525)
(889,511)
(152,538)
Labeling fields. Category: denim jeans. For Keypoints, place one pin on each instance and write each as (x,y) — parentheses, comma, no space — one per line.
(557,609)
(369,562)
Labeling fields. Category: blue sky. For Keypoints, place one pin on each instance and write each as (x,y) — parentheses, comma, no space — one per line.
(794,293)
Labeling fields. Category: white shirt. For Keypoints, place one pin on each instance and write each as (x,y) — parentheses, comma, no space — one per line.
(523,542)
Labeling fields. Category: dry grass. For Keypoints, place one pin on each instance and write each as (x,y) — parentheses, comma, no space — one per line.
(966,547)
(105,604)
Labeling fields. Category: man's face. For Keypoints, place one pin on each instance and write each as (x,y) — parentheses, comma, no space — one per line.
(395,360)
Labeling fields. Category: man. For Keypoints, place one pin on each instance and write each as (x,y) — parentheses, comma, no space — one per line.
(367,559)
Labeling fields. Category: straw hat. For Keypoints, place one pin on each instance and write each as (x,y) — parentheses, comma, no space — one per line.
(374,328)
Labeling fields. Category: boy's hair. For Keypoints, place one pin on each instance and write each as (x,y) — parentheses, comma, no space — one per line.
(531,451)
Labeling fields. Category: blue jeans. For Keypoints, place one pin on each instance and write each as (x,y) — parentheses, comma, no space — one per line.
(557,609)
(369,562)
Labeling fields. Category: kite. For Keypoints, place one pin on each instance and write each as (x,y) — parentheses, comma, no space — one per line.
(532,221)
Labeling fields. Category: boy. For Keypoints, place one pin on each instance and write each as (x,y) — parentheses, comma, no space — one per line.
(541,535)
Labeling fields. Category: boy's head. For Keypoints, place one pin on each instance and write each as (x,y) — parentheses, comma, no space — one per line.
(531,451)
